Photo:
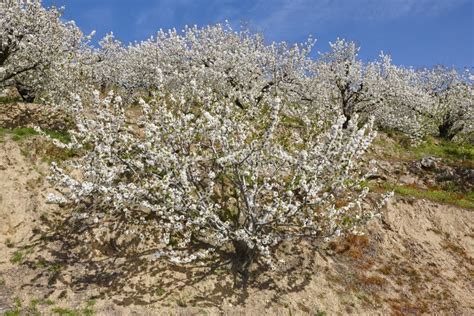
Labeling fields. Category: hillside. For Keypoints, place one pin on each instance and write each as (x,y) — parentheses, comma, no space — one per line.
(416,259)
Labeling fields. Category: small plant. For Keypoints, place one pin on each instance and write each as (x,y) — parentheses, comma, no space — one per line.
(9,243)
(17,257)
(160,291)
(55,267)
(181,301)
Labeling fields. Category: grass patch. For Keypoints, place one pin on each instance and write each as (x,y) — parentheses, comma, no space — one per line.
(21,133)
(17,257)
(17,310)
(443,149)
(64,311)
(9,99)
(87,310)
(160,291)
(441,196)
(404,149)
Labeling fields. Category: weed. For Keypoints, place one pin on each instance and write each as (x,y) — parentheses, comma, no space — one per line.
(22,133)
(55,267)
(352,245)
(64,311)
(17,257)
(449,245)
(181,301)
(160,291)
(9,243)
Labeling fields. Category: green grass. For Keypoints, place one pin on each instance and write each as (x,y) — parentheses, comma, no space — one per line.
(17,310)
(21,133)
(441,196)
(443,149)
(87,310)
(160,291)
(48,152)
(32,308)
(8,100)
(17,257)
(403,148)
(64,311)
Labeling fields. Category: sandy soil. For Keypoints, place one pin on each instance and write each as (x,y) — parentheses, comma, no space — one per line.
(418,259)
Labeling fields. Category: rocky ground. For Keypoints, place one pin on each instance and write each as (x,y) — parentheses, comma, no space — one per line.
(417,259)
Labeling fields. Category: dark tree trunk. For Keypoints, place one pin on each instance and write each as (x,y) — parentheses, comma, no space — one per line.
(244,257)
(444,131)
(27,93)
(346,110)
(346,122)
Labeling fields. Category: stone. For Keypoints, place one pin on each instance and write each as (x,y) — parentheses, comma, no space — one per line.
(428,163)
(407,179)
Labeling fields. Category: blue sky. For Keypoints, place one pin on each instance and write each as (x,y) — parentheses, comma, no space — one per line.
(415,32)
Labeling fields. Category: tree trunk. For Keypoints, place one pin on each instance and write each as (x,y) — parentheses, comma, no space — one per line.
(244,257)
(27,93)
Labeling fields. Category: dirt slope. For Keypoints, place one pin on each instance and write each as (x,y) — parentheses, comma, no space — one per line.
(417,260)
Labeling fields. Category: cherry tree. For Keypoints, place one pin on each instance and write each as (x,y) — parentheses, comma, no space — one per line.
(402,103)
(194,182)
(347,79)
(452,107)
(35,45)
(237,65)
